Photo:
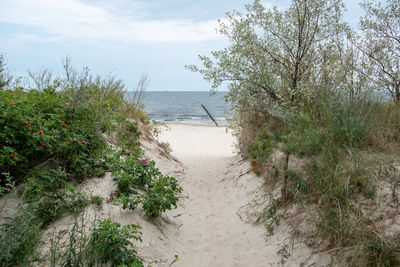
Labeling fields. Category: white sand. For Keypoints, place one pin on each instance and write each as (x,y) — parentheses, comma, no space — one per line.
(224,199)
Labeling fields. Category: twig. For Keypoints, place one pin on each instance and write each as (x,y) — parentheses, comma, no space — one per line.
(180,214)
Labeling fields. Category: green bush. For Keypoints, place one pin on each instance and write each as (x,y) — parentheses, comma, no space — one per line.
(160,196)
(348,121)
(38,126)
(158,192)
(132,173)
(110,243)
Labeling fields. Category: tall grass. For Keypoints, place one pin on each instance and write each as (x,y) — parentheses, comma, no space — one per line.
(333,137)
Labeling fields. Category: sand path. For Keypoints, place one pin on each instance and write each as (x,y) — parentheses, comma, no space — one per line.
(212,233)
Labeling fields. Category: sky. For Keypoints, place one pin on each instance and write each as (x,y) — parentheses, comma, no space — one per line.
(123,37)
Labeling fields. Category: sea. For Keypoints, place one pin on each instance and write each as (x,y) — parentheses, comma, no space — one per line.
(185,107)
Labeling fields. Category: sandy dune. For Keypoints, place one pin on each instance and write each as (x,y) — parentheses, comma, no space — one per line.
(214,223)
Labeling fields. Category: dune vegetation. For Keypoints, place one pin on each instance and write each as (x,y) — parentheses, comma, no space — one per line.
(58,134)
(317,111)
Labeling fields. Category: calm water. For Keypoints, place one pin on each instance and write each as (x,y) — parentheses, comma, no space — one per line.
(186,107)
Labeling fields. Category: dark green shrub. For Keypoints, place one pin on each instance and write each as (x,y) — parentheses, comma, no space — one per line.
(38,126)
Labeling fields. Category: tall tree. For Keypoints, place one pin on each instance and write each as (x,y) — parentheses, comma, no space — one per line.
(275,58)
(381,29)
(273,55)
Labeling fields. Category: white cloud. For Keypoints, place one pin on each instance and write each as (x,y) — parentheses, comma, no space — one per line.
(75,20)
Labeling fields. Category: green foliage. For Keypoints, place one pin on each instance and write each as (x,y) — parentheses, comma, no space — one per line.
(348,121)
(97,200)
(51,139)
(104,243)
(49,195)
(36,126)
(128,137)
(18,237)
(157,192)
(271,214)
(381,29)
(160,196)
(305,138)
(261,150)
(131,174)
(110,243)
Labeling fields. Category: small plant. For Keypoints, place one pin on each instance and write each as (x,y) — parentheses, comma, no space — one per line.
(132,174)
(166,147)
(284,253)
(271,214)
(97,200)
(157,192)
(104,243)
(109,242)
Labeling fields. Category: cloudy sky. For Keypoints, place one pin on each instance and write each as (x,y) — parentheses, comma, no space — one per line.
(124,37)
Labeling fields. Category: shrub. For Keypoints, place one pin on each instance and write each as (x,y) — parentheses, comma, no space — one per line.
(18,237)
(132,173)
(103,243)
(160,196)
(49,195)
(38,126)
(158,192)
(110,243)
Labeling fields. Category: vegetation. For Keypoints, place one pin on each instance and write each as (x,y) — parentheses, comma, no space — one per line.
(305,87)
(158,191)
(106,242)
(54,137)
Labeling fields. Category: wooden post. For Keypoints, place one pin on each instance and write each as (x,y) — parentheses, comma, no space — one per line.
(209,115)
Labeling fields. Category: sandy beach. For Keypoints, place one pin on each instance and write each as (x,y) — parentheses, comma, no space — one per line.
(223,200)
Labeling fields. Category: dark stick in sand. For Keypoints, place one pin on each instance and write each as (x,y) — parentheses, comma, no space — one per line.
(209,115)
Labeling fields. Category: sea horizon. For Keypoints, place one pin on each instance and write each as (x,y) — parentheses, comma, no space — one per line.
(186,106)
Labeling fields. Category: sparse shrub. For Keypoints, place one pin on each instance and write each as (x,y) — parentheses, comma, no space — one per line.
(271,214)
(18,237)
(128,137)
(49,195)
(103,243)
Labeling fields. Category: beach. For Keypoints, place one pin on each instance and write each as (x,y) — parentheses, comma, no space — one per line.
(222,199)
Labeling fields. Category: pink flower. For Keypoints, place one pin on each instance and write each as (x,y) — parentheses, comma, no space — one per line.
(142,160)
(67,104)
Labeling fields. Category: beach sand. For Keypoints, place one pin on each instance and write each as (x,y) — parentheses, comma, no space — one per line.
(224,200)
(215,221)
